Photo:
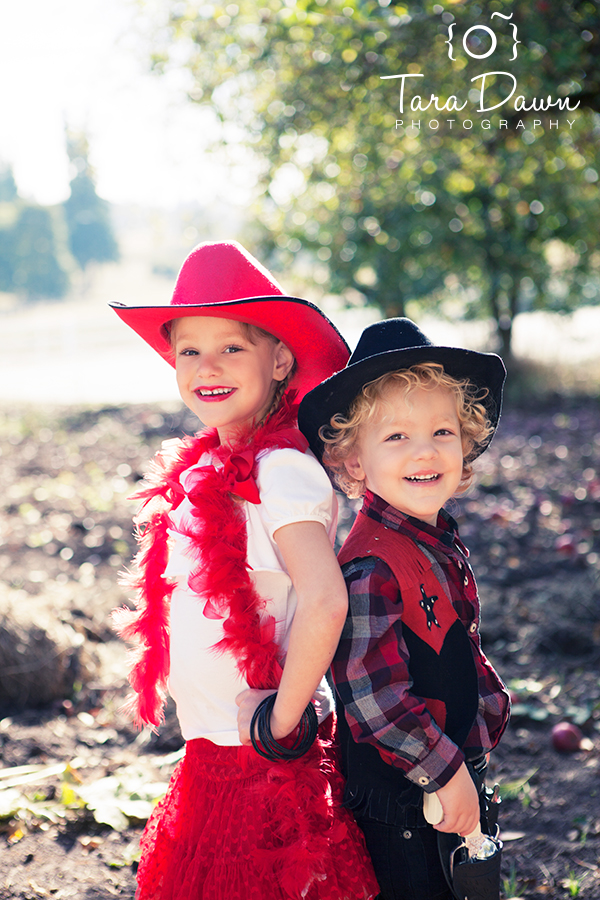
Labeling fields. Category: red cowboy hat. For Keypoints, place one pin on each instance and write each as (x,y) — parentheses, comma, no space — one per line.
(222,279)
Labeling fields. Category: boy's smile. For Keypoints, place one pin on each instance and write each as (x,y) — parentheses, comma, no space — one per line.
(411,453)
(223,376)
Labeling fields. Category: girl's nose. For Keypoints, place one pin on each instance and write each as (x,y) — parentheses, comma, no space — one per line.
(208,364)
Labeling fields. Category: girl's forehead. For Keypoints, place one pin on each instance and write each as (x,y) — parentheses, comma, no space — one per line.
(199,325)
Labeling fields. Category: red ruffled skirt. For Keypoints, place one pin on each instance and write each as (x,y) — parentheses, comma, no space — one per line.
(234,826)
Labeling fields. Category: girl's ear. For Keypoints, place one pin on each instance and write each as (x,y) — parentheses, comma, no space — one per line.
(354,467)
(283,362)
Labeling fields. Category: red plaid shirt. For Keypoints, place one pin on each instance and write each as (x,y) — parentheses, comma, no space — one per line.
(371,665)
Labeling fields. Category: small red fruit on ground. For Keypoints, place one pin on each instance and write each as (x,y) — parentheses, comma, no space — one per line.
(566,737)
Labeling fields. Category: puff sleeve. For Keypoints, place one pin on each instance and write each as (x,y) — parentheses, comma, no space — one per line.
(294,488)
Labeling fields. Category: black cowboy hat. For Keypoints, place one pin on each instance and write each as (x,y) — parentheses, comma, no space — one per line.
(389,346)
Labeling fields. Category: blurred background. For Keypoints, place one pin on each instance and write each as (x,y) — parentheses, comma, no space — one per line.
(130,130)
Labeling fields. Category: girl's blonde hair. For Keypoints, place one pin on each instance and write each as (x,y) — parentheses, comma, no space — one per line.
(253,333)
(341,435)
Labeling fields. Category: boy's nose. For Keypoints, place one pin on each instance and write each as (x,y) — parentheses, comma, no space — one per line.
(425,449)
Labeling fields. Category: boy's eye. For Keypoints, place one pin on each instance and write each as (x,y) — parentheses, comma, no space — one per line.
(396,437)
(188,351)
(233,348)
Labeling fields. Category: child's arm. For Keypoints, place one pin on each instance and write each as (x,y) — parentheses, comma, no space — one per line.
(460,804)
(316,628)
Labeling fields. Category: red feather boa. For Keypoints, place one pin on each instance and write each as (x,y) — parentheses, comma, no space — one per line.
(303,797)
(221,576)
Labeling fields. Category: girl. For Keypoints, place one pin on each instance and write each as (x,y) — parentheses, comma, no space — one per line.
(240,601)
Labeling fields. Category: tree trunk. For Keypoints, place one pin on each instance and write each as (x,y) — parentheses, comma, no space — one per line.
(503,319)
(392,306)
(504,326)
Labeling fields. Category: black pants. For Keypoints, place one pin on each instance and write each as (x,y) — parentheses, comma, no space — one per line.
(406,861)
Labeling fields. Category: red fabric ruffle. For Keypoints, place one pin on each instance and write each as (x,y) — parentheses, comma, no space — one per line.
(234,826)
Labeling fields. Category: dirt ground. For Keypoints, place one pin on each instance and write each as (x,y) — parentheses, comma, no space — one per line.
(74,765)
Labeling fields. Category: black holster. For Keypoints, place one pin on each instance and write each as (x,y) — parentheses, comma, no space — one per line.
(474,879)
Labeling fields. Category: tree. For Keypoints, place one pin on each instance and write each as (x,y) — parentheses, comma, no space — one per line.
(33,259)
(485,221)
(38,270)
(8,215)
(8,187)
(91,236)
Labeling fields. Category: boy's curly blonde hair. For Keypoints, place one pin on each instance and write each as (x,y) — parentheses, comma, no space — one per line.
(341,435)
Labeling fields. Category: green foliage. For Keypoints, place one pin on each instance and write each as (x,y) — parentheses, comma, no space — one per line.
(91,236)
(520,787)
(127,796)
(8,187)
(479,221)
(38,270)
(33,258)
(511,885)
(572,883)
(38,244)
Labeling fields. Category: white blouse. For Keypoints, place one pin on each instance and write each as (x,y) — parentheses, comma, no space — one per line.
(204,684)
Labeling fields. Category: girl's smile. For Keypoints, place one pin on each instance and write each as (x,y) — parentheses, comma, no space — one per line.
(214,394)
(225,375)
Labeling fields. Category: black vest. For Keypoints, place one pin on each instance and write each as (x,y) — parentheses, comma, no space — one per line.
(441,666)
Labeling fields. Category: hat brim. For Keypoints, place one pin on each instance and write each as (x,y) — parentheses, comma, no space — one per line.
(335,394)
(318,347)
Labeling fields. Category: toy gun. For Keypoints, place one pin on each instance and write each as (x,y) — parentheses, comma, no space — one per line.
(473,867)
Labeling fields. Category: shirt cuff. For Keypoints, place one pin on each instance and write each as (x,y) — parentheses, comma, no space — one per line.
(438,767)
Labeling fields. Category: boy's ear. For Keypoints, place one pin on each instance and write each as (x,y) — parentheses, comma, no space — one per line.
(354,467)
(284,360)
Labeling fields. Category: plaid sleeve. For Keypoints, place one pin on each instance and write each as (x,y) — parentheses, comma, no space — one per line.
(493,714)
(371,674)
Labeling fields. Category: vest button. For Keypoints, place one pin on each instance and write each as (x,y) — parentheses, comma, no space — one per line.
(407,835)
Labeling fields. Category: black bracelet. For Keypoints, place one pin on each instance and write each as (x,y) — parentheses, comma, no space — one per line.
(267,746)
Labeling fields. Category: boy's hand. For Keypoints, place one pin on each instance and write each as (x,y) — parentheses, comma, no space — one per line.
(460,804)
(247,701)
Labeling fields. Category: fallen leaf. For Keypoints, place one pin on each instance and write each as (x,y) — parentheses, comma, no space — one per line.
(15,836)
(11,801)
(89,842)
(512,835)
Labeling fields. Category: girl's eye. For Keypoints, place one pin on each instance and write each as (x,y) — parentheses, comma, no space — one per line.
(444,431)
(396,437)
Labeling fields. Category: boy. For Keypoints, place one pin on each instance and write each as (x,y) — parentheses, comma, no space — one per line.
(420,705)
